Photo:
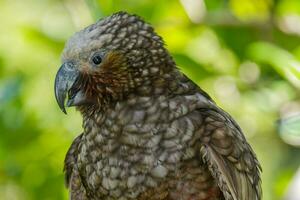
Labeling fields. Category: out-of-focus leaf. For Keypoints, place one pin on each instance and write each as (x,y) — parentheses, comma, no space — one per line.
(282,181)
(207,50)
(95,9)
(293,192)
(289,129)
(214,4)
(288,6)
(9,89)
(251,10)
(196,10)
(191,68)
(281,60)
(37,36)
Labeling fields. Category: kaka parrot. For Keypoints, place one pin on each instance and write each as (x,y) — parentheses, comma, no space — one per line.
(149,132)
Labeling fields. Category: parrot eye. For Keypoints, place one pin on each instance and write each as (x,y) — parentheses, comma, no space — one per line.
(97,59)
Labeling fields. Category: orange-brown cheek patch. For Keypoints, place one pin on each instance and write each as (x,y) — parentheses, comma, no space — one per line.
(109,80)
(112,61)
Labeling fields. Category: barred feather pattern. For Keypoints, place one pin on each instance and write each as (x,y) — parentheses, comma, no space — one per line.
(150,133)
(166,147)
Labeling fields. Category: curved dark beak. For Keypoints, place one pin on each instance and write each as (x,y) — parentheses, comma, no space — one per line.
(64,81)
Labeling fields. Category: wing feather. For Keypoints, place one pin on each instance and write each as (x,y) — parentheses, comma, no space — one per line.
(72,176)
(229,157)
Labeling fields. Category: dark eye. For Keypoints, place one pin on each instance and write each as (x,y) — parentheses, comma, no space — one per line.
(97,59)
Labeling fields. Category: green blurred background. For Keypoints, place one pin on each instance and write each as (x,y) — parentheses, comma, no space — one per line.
(245,54)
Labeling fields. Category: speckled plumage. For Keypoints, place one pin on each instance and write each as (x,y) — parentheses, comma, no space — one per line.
(149,132)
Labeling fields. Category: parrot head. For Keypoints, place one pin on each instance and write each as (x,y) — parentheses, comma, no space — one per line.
(109,60)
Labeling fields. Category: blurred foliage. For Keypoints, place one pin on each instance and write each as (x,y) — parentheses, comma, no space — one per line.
(246,54)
